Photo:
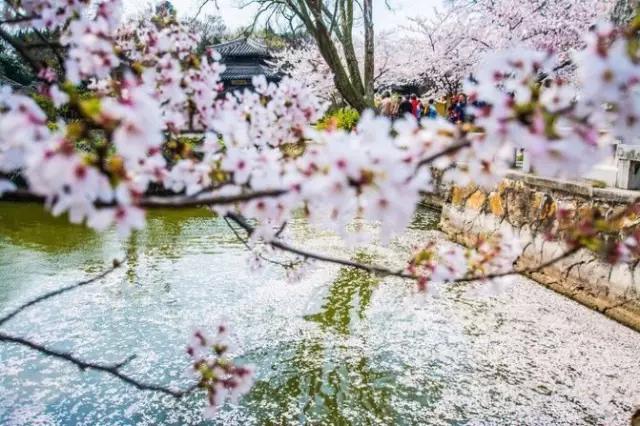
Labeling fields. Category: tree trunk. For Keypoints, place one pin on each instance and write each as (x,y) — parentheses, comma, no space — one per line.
(346,40)
(346,72)
(369,51)
(329,52)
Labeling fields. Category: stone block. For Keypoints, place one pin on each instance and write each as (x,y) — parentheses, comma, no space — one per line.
(577,261)
(594,276)
(476,201)
(460,194)
(504,185)
(544,206)
(551,250)
(495,204)
(620,282)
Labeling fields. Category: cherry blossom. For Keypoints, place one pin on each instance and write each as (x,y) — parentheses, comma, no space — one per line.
(91,50)
(217,374)
(457,37)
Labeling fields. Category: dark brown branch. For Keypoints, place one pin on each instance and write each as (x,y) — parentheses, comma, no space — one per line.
(46,296)
(111,369)
(186,201)
(525,271)
(377,270)
(18,20)
(177,201)
(381,271)
(245,242)
(202,5)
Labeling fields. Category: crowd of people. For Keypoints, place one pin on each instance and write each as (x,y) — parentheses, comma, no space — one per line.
(454,108)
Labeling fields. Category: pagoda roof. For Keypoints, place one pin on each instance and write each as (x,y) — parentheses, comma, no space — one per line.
(247,71)
(242,47)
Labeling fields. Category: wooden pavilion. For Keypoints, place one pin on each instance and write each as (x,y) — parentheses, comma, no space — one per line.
(245,58)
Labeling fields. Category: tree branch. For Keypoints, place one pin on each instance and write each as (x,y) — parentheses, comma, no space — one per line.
(46,296)
(278,244)
(245,242)
(154,202)
(18,20)
(385,272)
(525,271)
(111,369)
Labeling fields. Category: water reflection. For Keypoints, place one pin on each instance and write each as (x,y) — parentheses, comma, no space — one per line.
(44,232)
(351,291)
(321,381)
(315,384)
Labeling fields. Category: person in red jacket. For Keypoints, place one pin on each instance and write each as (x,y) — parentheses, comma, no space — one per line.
(414,105)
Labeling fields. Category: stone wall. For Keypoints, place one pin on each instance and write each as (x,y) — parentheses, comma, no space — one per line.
(528,205)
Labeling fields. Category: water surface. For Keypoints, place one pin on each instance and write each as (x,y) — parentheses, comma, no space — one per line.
(340,347)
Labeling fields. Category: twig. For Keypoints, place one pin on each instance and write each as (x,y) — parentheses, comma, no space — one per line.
(202,5)
(377,270)
(245,242)
(186,201)
(46,296)
(524,271)
(112,369)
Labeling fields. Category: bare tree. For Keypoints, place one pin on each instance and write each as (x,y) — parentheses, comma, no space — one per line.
(332,23)
(211,30)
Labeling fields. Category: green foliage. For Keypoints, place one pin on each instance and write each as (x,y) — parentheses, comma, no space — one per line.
(46,105)
(343,118)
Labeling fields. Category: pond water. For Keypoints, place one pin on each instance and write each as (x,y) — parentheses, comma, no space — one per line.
(340,347)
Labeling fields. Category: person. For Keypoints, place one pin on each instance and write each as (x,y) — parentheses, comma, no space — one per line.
(461,107)
(414,105)
(405,107)
(451,110)
(457,108)
(431,111)
(387,106)
(419,110)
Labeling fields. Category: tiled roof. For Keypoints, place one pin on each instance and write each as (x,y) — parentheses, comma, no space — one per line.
(242,47)
(247,71)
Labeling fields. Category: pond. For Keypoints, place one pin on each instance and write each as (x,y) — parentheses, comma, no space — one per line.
(339,347)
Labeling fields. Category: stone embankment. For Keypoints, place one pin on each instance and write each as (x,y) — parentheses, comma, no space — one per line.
(528,205)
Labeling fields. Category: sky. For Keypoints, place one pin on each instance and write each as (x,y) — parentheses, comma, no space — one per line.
(236,17)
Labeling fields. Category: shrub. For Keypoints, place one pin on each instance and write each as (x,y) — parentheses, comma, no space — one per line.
(343,118)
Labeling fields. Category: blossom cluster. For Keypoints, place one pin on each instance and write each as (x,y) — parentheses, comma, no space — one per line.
(457,37)
(437,264)
(217,374)
(376,172)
